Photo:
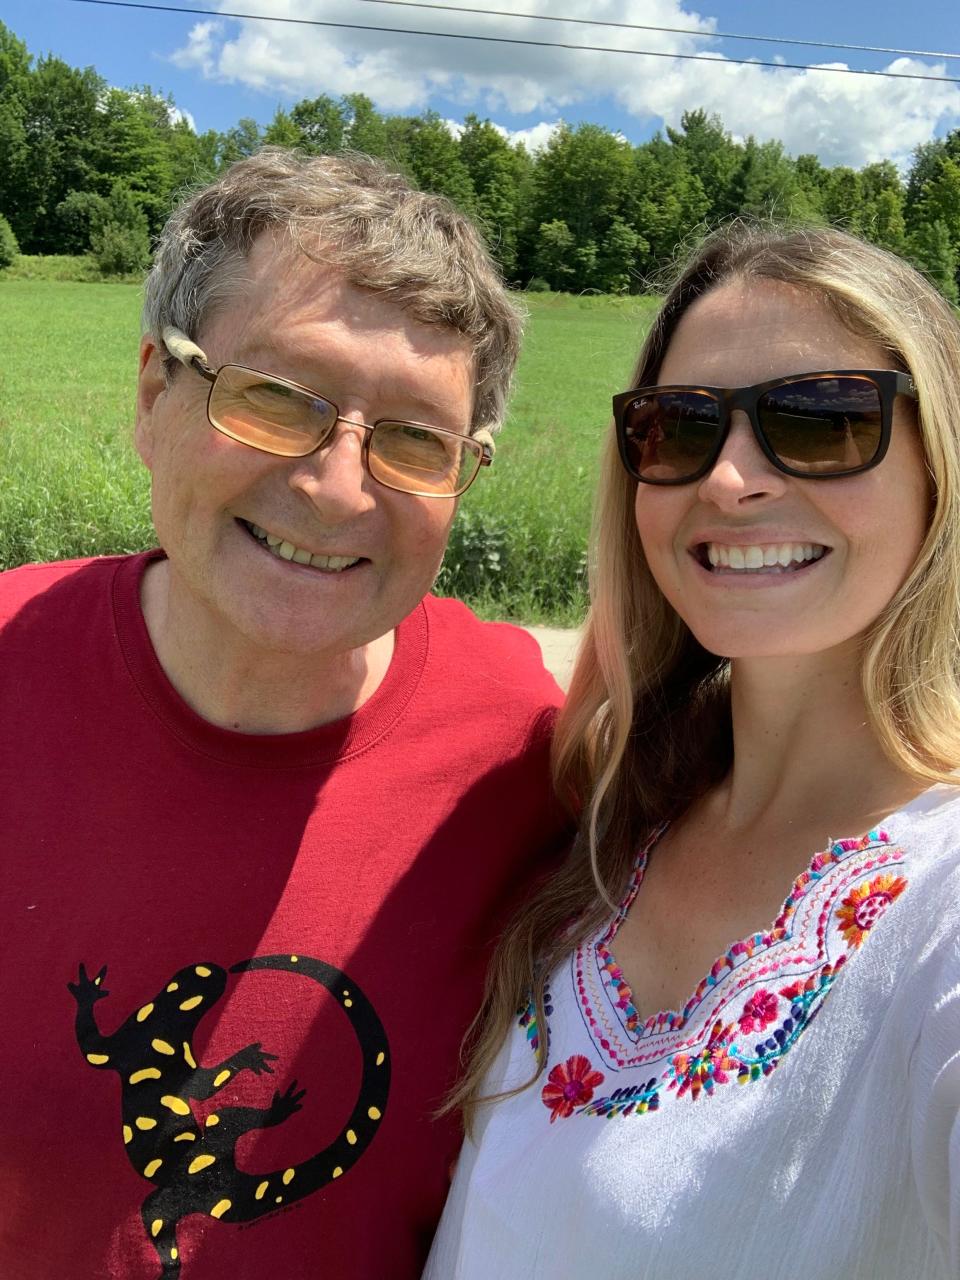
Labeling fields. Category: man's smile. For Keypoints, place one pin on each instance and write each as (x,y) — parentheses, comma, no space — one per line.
(284,550)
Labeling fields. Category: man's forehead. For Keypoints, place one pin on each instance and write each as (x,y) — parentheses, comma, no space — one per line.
(284,297)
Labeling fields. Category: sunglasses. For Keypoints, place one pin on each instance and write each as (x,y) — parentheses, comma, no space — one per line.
(282,417)
(811,425)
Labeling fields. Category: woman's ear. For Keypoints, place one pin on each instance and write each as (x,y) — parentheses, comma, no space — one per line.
(151,383)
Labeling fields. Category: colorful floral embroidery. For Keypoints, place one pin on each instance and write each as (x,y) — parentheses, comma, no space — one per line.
(759,1011)
(750,1009)
(864,906)
(708,1068)
(570,1085)
(527,1018)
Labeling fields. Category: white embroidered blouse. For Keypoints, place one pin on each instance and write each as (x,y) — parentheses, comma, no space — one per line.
(799,1118)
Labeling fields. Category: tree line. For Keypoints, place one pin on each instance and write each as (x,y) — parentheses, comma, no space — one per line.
(86,167)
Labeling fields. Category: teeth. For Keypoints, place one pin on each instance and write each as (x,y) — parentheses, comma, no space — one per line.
(299,555)
(746,559)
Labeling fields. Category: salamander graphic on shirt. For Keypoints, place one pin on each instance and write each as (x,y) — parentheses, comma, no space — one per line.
(192,1168)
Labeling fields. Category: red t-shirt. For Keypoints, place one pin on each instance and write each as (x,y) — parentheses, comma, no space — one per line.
(235,970)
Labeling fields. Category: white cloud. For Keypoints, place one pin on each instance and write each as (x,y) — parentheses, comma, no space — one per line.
(176,115)
(535,138)
(843,118)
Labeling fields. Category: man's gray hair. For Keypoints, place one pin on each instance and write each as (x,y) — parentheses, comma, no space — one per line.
(352,213)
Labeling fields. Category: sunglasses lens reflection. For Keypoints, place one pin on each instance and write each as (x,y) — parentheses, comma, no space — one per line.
(822,426)
(671,434)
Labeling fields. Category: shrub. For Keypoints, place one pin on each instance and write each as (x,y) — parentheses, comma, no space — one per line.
(121,250)
(78,216)
(8,243)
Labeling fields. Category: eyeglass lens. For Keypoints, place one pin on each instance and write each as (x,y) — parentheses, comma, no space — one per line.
(284,419)
(822,426)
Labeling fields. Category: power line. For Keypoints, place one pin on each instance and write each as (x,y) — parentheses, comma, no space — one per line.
(540,44)
(679,31)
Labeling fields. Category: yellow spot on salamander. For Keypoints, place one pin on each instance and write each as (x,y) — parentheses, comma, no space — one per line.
(97,1059)
(373,1113)
(127,1134)
(220,1208)
(145,1122)
(351,1137)
(261,1191)
(173,986)
(202,971)
(152,1168)
(161,1046)
(148,1073)
(279,1200)
(174,1255)
(294,959)
(185,1137)
(212,1120)
(144,1013)
(201,1162)
(346,993)
(192,1003)
(188,1056)
(348,1003)
(337,1172)
(380,1058)
(156,1226)
(288,1175)
(222,1078)
(176,1105)
(98,979)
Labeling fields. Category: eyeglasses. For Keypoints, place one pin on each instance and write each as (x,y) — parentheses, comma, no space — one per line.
(284,418)
(811,425)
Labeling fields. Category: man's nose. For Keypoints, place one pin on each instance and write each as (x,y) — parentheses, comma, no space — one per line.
(742,474)
(334,478)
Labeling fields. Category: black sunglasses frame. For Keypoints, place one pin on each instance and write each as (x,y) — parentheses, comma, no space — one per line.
(889,383)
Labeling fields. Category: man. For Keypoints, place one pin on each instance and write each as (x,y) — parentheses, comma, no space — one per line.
(263,805)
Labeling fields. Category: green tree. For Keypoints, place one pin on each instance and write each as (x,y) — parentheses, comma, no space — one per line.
(281,131)
(434,159)
(365,129)
(765,182)
(667,200)
(712,156)
(621,254)
(121,243)
(929,249)
(555,258)
(496,170)
(8,244)
(78,215)
(239,142)
(842,200)
(321,123)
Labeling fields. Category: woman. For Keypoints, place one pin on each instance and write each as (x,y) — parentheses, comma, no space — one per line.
(763,725)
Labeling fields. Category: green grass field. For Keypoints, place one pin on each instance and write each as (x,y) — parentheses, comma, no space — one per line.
(72,484)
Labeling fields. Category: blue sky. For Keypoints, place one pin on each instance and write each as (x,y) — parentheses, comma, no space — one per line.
(221,69)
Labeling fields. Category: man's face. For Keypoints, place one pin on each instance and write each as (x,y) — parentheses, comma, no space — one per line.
(300,320)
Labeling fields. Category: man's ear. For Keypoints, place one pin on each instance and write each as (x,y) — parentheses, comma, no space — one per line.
(151,383)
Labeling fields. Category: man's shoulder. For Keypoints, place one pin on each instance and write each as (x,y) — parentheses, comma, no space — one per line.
(20,586)
(498,653)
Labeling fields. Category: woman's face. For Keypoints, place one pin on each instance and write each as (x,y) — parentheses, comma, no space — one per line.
(850,542)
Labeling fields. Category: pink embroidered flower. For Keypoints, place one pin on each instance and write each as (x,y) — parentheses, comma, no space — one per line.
(759,1011)
(570,1085)
(864,905)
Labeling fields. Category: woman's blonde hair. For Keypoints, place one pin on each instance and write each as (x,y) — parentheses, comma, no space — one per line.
(646,727)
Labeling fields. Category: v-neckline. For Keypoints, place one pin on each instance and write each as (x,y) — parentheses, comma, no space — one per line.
(796,939)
